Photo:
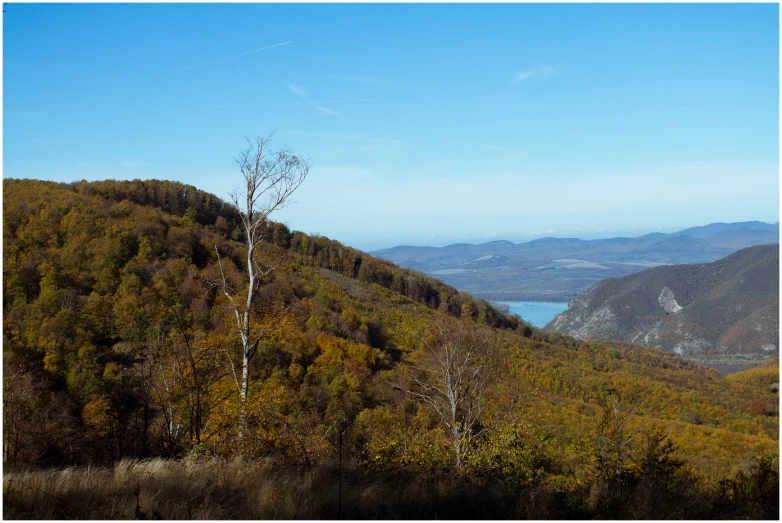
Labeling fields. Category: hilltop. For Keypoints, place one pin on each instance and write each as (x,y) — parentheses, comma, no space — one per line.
(558,269)
(726,308)
(116,346)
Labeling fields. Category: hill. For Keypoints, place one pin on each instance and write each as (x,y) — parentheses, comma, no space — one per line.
(558,269)
(726,308)
(118,346)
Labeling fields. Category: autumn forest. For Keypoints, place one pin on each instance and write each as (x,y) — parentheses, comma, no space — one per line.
(168,354)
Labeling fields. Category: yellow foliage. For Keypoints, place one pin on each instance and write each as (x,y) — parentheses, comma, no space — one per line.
(394,440)
(97,415)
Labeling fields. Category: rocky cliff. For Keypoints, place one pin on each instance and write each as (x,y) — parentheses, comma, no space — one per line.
(726,308)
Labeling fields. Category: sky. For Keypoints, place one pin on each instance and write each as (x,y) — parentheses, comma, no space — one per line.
(425,124)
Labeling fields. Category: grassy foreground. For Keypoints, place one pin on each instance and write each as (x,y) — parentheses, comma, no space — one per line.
(243,489)
(216,488)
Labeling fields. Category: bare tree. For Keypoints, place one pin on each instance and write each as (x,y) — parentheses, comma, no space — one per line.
(452,375)
(270,177)
(613,439)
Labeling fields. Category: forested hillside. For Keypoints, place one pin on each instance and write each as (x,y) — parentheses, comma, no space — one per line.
(119,343)
(724,309)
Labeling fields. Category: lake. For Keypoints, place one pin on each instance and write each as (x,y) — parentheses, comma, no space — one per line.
(538,313)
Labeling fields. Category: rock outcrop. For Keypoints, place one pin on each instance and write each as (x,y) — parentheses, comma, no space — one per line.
(725,308)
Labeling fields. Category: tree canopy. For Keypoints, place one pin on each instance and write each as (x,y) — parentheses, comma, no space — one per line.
(114,348)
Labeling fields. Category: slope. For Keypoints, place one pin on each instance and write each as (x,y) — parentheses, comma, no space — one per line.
(729,307)
(115,347)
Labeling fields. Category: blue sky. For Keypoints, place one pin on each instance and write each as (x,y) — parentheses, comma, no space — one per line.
(425,124)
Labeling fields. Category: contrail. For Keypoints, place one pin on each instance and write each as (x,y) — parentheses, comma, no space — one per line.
(333,101)
(221,59)
(353,100)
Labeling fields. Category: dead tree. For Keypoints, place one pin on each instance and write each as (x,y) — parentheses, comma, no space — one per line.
(270,177)
(452,374)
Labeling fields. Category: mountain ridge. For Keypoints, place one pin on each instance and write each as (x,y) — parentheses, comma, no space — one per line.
(728,307)
(533,270)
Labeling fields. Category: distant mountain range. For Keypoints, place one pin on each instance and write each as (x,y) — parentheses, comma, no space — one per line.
(727,308)
(559,269)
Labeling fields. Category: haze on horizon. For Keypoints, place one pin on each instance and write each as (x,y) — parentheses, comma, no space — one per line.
(475,123)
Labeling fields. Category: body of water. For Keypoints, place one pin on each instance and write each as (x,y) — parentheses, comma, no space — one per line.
(538,313)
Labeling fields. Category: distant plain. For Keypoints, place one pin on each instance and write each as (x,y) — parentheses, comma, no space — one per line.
(559,269)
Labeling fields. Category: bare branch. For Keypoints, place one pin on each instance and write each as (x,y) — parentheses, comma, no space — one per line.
(452,377)
(269,179)
(233,370)
(222,273)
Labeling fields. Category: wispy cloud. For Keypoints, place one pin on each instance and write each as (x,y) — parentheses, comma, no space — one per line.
(493,147)
(325,110)
(221,59)
(302,94)
(537,71)
(345,101)
(298,91)
(364,79)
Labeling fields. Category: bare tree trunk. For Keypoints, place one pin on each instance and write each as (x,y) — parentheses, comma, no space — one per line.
(452,377)
(270,178)
(245,382)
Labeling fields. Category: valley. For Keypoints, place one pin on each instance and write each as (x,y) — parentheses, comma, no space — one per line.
(576,271)
(557,269)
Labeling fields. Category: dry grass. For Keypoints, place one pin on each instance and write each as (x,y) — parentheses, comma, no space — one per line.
(240,489)
(157,488)
(220,489)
